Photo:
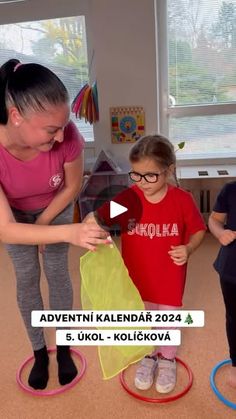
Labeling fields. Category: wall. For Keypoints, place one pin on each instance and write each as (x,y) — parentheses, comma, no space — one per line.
(125,57)
(122,35)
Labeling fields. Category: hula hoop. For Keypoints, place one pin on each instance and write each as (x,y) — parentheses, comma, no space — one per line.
(213,384)
(164,399)
(51,392)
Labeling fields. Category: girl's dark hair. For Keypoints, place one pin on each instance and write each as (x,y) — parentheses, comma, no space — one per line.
(28,86)
(155,147)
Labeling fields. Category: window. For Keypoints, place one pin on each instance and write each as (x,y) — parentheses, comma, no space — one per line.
(59,44)
(198,75)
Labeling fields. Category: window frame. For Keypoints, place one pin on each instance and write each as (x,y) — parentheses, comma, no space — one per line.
(165,111)
(26,14)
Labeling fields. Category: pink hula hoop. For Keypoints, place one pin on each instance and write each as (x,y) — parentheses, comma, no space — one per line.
(51,392)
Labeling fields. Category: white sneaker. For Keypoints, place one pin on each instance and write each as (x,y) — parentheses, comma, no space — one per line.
(166,375)
(145,373)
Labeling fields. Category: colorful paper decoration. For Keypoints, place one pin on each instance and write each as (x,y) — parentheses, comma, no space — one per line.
(127,124)
(85,104)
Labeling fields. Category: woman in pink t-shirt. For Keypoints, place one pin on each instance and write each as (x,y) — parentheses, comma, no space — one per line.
(41,167)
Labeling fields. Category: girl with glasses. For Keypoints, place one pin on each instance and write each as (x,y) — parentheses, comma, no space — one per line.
(156,247)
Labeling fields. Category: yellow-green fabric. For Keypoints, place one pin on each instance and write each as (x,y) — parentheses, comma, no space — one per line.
(106,285)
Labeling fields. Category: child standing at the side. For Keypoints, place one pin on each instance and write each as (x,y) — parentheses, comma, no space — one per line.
(157,246)
(222,224)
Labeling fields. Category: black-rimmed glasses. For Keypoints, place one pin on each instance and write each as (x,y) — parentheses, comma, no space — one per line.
(149,177)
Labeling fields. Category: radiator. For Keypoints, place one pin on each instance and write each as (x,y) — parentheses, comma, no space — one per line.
(205,183)
(205,200)
(204,193)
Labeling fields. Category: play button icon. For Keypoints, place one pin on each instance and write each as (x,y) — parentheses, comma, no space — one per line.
(116,209)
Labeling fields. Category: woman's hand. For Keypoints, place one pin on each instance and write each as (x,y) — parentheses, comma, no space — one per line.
(87,235)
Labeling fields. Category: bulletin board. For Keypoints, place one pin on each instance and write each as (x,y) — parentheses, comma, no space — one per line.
(127,124)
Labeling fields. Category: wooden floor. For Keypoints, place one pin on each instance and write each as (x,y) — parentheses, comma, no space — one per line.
(94,398)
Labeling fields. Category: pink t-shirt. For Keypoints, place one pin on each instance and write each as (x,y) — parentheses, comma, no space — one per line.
(32,184)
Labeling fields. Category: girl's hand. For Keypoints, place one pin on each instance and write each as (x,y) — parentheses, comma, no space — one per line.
(87,235)
(227,237)
(179,254)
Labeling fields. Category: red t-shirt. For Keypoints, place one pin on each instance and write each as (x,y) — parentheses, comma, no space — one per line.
(147,241)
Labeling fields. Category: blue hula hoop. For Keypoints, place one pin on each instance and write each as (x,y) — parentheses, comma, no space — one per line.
(213,384)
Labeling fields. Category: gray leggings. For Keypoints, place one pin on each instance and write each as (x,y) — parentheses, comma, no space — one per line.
(25,259)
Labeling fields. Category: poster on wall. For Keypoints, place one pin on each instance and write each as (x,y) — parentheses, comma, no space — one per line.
(127,124)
